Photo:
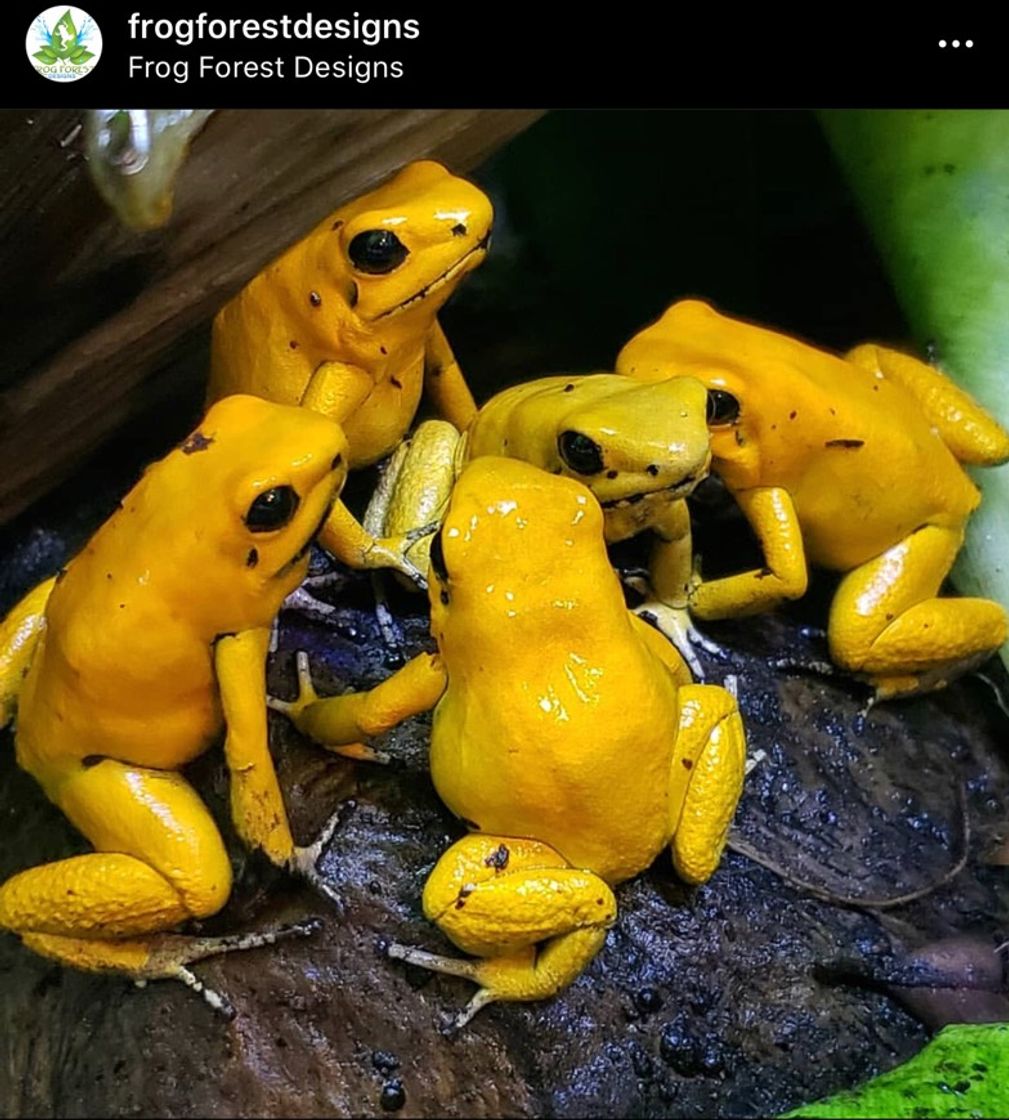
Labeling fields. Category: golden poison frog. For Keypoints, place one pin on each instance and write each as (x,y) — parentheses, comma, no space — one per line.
(851,463)
(127,665)
(345,323)
(566,734)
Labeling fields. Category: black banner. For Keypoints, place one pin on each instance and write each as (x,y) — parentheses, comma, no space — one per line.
(494,54)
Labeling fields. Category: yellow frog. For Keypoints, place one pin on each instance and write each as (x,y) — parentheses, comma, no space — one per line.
(125,666)
(641,449)
(566,734)
(345,323)
(852,463)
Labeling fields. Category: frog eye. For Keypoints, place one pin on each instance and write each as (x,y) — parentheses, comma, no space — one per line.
(580,453)
(377,251)
(723,408)
(272,509)
(437,555)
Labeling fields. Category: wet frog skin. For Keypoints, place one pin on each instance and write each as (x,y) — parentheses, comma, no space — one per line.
(851,463)
(640,448)
(345,323)
(566,734)
(130,662)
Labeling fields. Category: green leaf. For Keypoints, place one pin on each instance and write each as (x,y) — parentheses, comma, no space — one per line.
(933,188)
(82,54)
(66,21)
(64,35)
(962,1072)
(45,55)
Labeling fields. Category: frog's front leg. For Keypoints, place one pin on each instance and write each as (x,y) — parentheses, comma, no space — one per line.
(159,861)
(772,515)
(967,430)
(19,635)
(257,806)
(337,389)
(533,921)
(887,624)
(338,721)
(344,537)
(444,382)
(672,577)
(706,782)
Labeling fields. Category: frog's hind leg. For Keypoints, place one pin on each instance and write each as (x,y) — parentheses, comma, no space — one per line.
(396,530)
(887,624)
(709,765)
(20,631)
(375,518)
(159,861)
(409,503)
(532,921)
(967,430)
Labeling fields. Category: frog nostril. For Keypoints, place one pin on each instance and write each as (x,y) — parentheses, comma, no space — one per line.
(459,230)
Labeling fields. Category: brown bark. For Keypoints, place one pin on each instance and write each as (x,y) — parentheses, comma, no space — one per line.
(97,314)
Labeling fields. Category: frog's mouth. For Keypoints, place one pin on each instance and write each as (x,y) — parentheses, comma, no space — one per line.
(679,489)
(439,281)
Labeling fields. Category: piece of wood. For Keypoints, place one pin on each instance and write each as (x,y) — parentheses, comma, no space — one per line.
(97,314)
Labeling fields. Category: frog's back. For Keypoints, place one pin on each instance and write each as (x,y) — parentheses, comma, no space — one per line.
(520,421)
(116,674)
(575,752)
(267,344)
(844,441)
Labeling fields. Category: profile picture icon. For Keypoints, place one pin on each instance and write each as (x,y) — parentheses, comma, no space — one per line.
(63,43)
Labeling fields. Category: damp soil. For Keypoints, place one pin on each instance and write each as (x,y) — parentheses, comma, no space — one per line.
(744,997)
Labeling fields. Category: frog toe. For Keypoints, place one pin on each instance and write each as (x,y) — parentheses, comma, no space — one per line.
(306,691)
(676,624)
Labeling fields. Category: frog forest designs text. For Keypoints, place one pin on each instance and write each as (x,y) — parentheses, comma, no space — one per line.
(853,464)
(544,687)
(125,666)
(345,323)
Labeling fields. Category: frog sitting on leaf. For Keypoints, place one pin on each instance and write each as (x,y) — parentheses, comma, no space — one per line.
(344,323)
(851,463)
(127,665)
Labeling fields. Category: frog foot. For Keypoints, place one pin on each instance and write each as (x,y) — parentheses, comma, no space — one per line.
(171,953)
(393,552)
(675,623)
(449,966)
(306,691)
(307,696)
(753,761)
(304,601)
(392,637)
(304,860)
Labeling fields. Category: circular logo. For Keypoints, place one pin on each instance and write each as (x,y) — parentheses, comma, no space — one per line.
(63,44)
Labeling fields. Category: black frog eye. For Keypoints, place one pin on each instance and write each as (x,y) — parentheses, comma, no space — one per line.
(272,509)
(723,408)
(437,555)
(377,251)
(580,453)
